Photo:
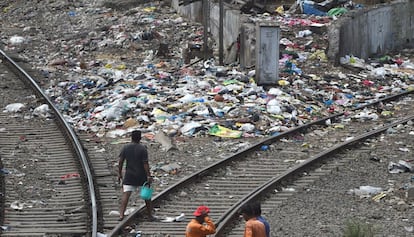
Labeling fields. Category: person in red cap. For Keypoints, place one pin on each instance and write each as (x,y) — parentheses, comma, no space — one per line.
(201,225)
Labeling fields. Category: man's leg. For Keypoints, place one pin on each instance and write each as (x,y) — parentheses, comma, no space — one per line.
(124,203)
(148,204)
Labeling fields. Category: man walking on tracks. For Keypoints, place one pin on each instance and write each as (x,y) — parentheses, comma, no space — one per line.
(137,171)
(201,225)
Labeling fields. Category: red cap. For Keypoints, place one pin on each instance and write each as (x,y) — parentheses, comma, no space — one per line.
(201,210)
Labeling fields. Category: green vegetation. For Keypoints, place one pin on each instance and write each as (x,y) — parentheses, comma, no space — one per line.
(356,228)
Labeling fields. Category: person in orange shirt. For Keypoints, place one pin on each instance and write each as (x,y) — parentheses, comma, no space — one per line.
(201,225)
(253,227)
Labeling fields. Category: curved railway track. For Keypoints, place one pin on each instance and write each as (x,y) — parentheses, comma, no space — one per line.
(272,164)
(59,202)
(275,163)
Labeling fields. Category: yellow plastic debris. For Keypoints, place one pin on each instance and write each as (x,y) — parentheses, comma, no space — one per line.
(277,116)
(149,9)
(315,77)
(283,83)
(340,126)
(280,10)
(319,55)
(221,131)
(306,145)
(378,197)
(121,67)
(386,113)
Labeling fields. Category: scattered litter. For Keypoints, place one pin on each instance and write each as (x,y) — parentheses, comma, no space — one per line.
(68,176)
(129,211)
(375,159)
(152,90)
(409,228)
(102,150)
(337,11)
(366,190)
(264,148)
(164,140)
(5,228)
(379,196)
(288,189)
(13,108)
(14,40)
(221,131)
(114,213)
(404,149)
(4,171)
(190,128)
(111,96)
(42,111)
(20,205)
(17,205)
(400,167)
(179,218)
(170,167)
(101,235)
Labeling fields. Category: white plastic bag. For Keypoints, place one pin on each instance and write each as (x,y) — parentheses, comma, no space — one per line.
(15,107)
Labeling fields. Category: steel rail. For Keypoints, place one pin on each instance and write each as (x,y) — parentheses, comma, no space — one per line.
(69,134)
(232,212)
(197,175)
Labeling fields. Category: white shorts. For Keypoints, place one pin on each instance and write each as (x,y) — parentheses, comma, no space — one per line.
(130,188)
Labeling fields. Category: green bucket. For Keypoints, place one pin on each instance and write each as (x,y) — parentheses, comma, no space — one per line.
(146,192)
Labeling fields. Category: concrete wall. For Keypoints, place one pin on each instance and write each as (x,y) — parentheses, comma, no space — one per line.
(372,31)
(193,11)
(360,33)
(247,46)
(231,23)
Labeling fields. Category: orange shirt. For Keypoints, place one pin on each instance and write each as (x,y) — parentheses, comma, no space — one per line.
(195,229)
(254,228)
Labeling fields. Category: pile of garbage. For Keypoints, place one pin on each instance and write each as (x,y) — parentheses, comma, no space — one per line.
(331,8)
(110,72)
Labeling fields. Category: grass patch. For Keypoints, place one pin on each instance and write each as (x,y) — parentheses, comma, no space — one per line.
(355,228)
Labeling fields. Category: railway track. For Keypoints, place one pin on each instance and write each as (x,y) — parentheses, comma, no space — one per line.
(272,164)
(300,177)
(106,182)
(47,185)
(276,163)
